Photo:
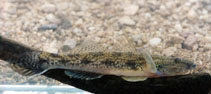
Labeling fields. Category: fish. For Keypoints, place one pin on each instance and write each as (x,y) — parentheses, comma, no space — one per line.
(91,60)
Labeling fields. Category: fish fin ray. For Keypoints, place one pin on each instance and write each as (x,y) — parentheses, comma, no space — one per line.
(122,43)
(134,79)
(87,46)
(149,61)
(127,45)
(82,75)
(24,71)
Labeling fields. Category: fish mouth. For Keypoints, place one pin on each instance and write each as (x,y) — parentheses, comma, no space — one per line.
(190,71)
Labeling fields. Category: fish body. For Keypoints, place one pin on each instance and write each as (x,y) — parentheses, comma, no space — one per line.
(90,61)
(114,63)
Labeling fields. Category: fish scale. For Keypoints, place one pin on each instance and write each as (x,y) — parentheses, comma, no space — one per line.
(108,60)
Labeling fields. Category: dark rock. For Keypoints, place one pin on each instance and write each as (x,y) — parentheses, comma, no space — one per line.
(65,23)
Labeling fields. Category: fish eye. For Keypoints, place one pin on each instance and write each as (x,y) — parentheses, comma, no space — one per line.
(194,65)
(177,60)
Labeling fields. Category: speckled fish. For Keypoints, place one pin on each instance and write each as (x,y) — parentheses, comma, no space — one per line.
(90,61)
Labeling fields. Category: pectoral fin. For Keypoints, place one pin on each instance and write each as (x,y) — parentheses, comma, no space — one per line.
(134,79)
(82,75)
(149,61)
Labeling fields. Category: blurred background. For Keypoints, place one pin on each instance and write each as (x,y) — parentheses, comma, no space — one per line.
(180,28)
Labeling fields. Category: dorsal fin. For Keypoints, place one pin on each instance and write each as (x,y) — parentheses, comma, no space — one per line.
(88,46)
(123,44)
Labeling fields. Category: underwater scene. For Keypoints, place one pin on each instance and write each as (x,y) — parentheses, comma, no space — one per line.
(105,46)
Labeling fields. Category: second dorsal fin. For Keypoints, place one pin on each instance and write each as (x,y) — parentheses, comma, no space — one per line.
(122,43)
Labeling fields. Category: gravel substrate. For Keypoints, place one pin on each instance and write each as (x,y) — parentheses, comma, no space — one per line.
(179,28)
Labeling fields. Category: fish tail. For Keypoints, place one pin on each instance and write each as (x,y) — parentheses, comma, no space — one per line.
(12,49)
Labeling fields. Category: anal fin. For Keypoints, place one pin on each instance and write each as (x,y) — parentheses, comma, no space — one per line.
(134,79)
(82,75)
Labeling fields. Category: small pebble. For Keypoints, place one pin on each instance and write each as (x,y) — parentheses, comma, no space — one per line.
(78,32)
(136,37)
(126,21)
(65,23)
(63,6)
(79,22)
(131,9)
(189,42)
(53,19)
(51,49)
(68,45)
(207,38)
(47,27)
(178,27)
(71,43)
(147,15)
(186,34)
(154,41)
(191,14)
(207,46)
(195,47)
(174,40)
(48,8)
(169,51)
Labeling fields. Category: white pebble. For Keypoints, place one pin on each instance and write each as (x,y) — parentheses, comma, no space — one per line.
(51,49)
(178,27)
(191,14)
(154,41)
(147,15)
(48,8)
(126,21)
(53,19)
(207,46)
(169,51)
(79,22)
(136,37)
(131,9)
(71,43)
(78,32)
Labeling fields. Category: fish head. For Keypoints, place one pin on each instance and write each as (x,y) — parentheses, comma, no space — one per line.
(174,66)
